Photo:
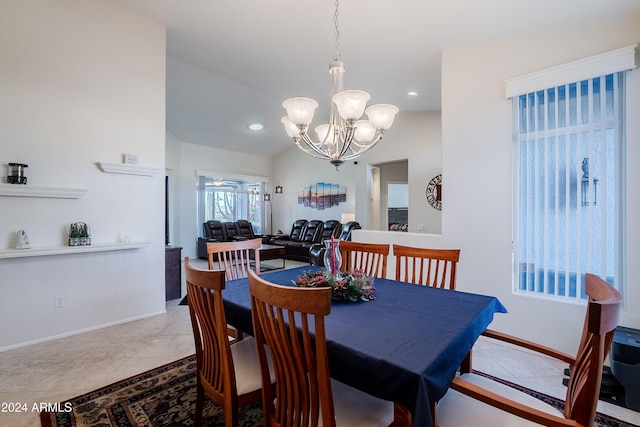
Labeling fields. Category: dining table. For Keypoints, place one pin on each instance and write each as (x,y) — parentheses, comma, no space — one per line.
(404,346)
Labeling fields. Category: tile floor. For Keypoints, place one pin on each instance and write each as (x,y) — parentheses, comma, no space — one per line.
(61,369)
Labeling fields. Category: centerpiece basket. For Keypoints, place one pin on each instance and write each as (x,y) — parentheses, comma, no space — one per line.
(345,286)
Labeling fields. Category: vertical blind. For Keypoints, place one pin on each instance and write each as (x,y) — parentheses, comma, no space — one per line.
(568,168)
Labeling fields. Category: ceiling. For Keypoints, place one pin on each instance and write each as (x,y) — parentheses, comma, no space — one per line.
(232,63)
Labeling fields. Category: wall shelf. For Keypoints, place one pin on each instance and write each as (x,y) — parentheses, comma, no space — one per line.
(17,190)
(128,169)
(66,250)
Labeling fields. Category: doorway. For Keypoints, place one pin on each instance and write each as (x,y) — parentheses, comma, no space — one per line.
(389,189)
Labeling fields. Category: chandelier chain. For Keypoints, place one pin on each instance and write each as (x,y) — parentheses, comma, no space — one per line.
(336,15)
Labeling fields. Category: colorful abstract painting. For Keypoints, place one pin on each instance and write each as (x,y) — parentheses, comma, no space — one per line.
(322,195)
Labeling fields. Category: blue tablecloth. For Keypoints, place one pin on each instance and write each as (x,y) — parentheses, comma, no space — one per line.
(405,346)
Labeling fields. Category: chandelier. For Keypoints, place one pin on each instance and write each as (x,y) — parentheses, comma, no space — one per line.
(345,137)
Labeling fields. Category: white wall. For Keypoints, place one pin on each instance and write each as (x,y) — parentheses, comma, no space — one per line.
(477,174)
(294,170)
(415,136)
(81,82)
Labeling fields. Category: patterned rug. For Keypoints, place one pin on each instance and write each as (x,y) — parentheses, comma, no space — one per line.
(165,396)
(601,420)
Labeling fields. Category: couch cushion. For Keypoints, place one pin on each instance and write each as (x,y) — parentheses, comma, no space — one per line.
(312,231)
(231,229)
(330,228)
(348,228)
(297,230)
(213,229)
(245,229)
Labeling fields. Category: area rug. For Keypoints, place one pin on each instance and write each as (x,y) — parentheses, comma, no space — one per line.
(601,419)
(165,396)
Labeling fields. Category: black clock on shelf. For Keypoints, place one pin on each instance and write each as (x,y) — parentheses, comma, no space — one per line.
(434,192)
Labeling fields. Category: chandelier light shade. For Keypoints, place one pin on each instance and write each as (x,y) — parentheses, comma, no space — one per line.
(346,135)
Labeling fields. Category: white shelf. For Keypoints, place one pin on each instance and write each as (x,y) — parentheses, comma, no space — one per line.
(19,190)
(128,169)
(66,250)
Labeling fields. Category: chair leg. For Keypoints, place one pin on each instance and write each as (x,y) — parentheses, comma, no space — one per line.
(466,365)
(230,415)
(433,414)
(401,416)
(197,416)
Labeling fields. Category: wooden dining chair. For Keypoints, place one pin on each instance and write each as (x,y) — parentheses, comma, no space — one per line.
(228,373)
(429,267)
(368,257)
(235,258)
(478,401)
(290,321)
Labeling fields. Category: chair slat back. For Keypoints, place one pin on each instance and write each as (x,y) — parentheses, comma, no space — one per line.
(601,320)
(290,321)
(234,257)
(429,267)
(208,321)
(371,258)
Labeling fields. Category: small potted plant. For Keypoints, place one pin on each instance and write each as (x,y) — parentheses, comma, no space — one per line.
(79,234)
(85,238)
(74,235)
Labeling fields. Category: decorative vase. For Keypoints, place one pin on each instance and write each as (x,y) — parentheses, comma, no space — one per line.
(23,240)
(332,257)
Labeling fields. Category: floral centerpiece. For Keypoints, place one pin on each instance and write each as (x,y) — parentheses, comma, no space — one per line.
(346,286)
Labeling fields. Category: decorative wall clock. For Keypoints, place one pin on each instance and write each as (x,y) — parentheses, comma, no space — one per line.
(434,192)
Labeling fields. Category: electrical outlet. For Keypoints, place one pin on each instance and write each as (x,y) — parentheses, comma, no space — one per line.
(59,302)
(422,227)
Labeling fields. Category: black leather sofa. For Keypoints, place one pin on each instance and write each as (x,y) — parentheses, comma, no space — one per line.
(304,234)
(316,252)
(218,231)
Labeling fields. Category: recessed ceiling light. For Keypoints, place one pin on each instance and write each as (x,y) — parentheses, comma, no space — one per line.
(256,126)
(412,93)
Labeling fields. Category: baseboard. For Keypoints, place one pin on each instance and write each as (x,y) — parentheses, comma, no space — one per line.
(80,331)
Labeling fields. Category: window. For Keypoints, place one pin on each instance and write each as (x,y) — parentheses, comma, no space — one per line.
(568,181)
(229,200)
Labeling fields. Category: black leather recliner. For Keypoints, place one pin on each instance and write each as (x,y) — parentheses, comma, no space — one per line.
(294,235)
(231,230)
(316,252)
(299,250)
(245,229)
(330,228)
(213,231)
(218,231)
